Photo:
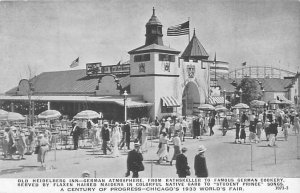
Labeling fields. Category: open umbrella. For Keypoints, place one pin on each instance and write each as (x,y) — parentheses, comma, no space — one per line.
(221,108)
(240,106)
(3,112)
(257,103)
(87,114)
(12,116)
(49,114)
(275,102)
(206,107)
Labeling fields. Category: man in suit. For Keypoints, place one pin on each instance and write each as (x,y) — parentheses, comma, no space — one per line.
(75,133)
(135,161)
(200,163)
(105,137)
(182,164)
(126,135)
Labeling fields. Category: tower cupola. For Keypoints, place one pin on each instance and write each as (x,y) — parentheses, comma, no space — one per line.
(154,31)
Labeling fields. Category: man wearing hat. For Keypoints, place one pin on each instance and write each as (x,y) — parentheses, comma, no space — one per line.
(105,137)
(126,134)
(182,167)
(168,126)
(75,133)
(135,161)
(200,163)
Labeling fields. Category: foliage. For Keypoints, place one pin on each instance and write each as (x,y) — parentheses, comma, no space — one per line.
(251,90)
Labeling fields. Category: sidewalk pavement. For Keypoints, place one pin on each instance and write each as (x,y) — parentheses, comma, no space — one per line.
(224,159)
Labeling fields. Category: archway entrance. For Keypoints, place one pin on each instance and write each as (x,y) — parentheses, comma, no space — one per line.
(190,98)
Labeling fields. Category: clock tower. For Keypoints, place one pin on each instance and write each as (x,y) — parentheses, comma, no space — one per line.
(154,71)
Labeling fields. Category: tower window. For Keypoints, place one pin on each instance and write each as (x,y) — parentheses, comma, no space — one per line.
(166,57)
(142,58)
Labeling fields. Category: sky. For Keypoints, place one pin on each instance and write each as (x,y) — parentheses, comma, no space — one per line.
(40,36)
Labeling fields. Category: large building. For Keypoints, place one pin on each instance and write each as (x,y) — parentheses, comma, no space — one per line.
(159,82)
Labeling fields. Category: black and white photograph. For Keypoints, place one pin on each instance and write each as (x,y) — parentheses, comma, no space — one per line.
(169,96)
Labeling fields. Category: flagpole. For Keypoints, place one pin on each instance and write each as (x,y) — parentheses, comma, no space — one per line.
(189,29)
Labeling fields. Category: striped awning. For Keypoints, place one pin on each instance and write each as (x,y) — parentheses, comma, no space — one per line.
(169,101)
(217,100)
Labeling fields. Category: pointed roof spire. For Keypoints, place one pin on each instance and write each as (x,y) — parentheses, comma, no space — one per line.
(153,20)
(194,50)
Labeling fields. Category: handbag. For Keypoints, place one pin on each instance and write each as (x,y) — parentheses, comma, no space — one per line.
(37,149)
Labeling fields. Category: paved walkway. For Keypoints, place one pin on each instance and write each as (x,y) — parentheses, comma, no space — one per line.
(224,159)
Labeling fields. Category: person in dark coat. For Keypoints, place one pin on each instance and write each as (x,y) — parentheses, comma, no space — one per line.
(237,131)
(135,161)
(105,137)
(200,163)
(211,124)
(127,134)
(182,164)
(75,133)
(225,126)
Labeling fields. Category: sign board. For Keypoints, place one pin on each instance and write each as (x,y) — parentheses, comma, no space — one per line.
(94,69)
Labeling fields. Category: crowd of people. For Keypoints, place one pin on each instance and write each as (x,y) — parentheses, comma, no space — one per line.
(112,137)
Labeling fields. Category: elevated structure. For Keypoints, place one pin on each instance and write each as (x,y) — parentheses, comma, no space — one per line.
(260,72)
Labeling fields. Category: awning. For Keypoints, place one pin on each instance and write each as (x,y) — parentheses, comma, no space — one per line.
(217,100)
(169,101)
(134,104)
(284,100)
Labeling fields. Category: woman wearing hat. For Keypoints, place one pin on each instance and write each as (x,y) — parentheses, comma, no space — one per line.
(11,142)
(200,163)
(163,147)
(177,144)
(5,142)
(43,147)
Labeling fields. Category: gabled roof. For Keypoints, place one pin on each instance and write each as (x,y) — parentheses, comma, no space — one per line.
(194,50)
(71,82)
(153,48)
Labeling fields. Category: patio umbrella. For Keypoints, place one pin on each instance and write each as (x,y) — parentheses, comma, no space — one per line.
(49,114)
(87,114)
(221,108)
(275,102)
(3,112)
(12,116)
(206,107)
(257,103)
(240,106)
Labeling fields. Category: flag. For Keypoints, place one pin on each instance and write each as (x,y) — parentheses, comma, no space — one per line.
(75,63)
(244,63)
(178,30)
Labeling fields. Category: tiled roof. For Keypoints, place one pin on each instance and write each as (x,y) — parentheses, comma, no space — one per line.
(153,47)
(194,50)
(72,82)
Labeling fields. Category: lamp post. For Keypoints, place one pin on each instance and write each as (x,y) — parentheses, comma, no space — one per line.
(224,92)
(241,93)
(125,94)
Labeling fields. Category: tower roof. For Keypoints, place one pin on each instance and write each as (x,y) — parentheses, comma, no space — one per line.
(194,50)
(153,20)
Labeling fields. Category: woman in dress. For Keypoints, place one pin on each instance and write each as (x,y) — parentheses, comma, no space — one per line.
(43,147)
(177,143)
(115,139)
(143,139)
(243,133)
(163,147)
(297,123)
(21,143)
(237,131)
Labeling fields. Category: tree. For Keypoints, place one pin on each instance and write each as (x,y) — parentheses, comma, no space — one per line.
(251,90)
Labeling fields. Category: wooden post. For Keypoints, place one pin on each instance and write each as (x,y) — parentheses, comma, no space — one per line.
(251,158)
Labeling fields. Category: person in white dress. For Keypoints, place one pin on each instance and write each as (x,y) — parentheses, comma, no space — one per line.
(115,139)
(144,138)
